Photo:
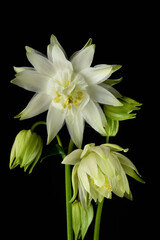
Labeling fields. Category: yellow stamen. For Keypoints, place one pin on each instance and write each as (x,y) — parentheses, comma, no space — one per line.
(57,98)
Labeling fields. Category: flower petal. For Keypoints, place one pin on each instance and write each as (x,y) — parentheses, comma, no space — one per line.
(31,80)
(54,40)
(58,58)
(40,62)
(101,95)
(76,129)
(83,58)
(55,120)
(97,74)
(38,104)
(92,115)
(73,157)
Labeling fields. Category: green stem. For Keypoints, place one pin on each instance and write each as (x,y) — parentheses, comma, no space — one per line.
(36,124)
(68,191)
(99,213)
(98,220)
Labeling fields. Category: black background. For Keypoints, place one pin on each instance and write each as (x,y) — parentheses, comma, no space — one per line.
(34,205)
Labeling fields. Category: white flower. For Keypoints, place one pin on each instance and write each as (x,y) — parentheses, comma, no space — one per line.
(100,170)
(69,90)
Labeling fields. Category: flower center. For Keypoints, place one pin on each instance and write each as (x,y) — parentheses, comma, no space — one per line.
(70,93)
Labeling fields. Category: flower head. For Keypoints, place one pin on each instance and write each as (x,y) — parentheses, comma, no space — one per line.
(70,90)
(26,150)
(100,170)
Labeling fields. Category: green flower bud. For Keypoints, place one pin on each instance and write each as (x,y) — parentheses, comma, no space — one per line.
(122,112)
(26,150)
(81,219)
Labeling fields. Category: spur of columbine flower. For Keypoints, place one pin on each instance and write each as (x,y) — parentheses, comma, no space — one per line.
(26,150)
(100,170)
(70,90)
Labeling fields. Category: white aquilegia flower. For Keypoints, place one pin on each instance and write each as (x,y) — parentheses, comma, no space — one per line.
(100,170)
(70,90)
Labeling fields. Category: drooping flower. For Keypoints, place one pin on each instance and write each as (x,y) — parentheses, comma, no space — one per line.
(100,170)
(70,90)
(26,150)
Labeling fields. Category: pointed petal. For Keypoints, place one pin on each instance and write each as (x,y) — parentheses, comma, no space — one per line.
(58,58)
(97,74)
(92,115)
(54,41)
(76,129)
(38,104)
(40,62)
(55,120)
(83,58)
(31,80)
(73,157)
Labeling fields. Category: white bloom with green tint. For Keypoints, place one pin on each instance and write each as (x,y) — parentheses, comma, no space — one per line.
(70,90)
(100,170)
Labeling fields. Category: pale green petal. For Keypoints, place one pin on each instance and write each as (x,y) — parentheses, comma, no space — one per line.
(73,157)
(92,115)
(101,95)
(125,161)
(38,104)
(86,219)
(115,147)
(31,80)
(89,165)
(40,62)
(74,182)
(83,195)
(55,120)
(83,178)
(129,171)
(83,58)
(87,149)
(104,163)
(76,218)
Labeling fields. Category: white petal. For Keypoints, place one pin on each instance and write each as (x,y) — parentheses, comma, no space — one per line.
(73,157)
(40,62)
(53,41)
(55,120)
(76,129)
(59,60)
(97,74)
(31,80)
(101,95)
(93,117)
(38,104)
(83,58)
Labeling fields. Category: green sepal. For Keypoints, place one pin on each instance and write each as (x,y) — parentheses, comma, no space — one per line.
(113,82)
(129,171)
(112,127)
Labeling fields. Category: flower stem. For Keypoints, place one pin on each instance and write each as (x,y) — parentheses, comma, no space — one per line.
(99,213)
(98,220)
(68,191)
(36,124)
